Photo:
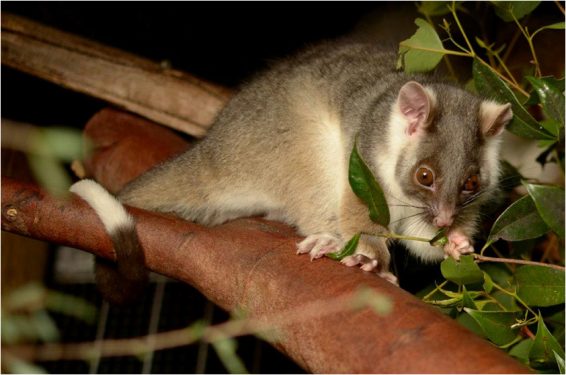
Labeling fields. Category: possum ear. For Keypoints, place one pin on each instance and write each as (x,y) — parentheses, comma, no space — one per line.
(494,117)
(416,104)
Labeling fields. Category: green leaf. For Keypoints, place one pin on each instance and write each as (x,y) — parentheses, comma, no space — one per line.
(467,300)
(462,272)
(470,323)
(487,305)
(544,346)
(498,273)
(18,329)
(559,362)
(421,52)
(551,97)
(507,9)
(50,174)
(496,325)
(553,127)
(365,186)
(557,84)
(488,83)
(17,366)
(554,26)
(26,297)
(555,323)
(540,286)
(487,283)
(520,221)
(64,144)
(549,201)
(433,8)
(45,326)
(508,302)
(71,306)
(521,350)
(348,249)
(439,239)
(226,350)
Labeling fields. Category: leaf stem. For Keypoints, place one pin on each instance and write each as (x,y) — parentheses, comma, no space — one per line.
(525,33)
(507,80)
(481,258)
(442,51)
(559,6)
(505,68)
(401,237)
(514,295)
(445,58)
(438,287)
(189,335)
(528,332)
(455,15)
(456,43)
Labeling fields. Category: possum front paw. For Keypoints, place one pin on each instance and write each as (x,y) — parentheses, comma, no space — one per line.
(319,244)
(370,265)
(372,255)
(458,244)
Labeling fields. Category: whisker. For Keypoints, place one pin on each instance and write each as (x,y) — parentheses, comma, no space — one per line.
(400,200)
(406,205)
(471,199)
(408,217)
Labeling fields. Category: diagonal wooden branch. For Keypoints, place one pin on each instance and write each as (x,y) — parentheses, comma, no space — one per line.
(164,95)
(251,264)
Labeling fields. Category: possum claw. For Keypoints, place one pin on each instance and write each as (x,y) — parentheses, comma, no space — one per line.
(319,244)
(369,265)
(458,244)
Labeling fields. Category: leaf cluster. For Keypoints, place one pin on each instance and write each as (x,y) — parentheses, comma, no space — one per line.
(506,307)
(518,308)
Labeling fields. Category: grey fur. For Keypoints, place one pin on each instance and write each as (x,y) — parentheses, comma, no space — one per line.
(271,149)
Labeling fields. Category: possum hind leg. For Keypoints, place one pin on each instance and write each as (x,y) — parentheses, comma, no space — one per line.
(197,190)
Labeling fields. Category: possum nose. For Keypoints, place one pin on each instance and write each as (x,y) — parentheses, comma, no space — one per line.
(445,218)
(442,222)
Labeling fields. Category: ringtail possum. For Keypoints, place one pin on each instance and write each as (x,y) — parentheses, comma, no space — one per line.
(281,146)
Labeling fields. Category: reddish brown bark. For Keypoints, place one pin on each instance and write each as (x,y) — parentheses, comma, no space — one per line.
(251,263)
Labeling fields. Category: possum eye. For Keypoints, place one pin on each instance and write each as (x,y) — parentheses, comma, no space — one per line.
(472,184)
(425,177)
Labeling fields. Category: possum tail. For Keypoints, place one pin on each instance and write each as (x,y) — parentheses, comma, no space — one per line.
(123,281)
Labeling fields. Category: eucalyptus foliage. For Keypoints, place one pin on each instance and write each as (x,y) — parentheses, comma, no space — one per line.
(516,305)
(507,304)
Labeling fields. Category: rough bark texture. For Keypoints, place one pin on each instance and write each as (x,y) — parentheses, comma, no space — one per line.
(251,263)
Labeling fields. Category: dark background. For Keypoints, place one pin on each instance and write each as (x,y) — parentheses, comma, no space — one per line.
(223,42)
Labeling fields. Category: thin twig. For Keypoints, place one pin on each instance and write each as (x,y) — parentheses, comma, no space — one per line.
(559,6)
(445,57)
(528,37)
(454,14)
(482,258)
(511,45)
(189,335)
(401,237)
(435,50)
(527,332)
